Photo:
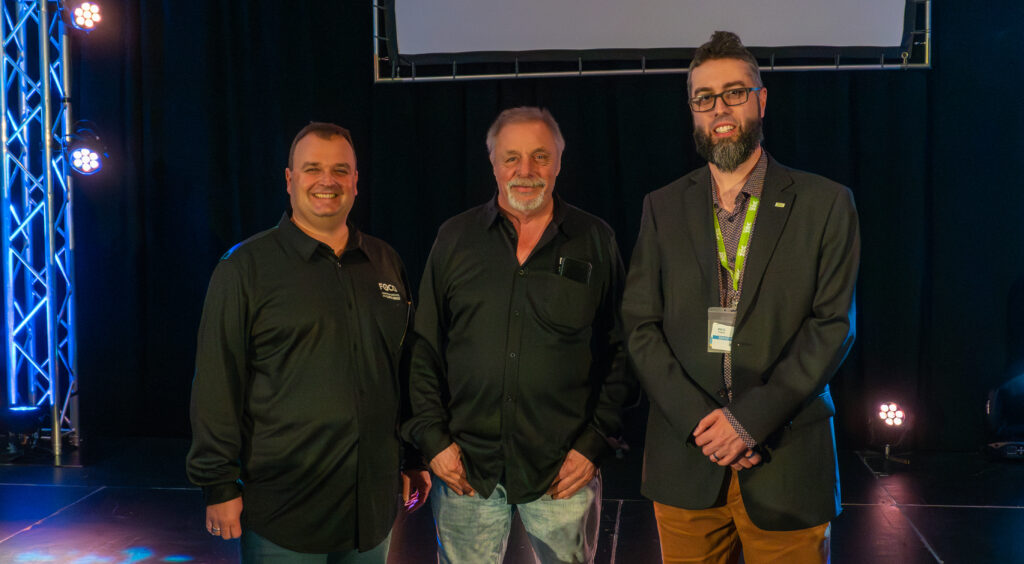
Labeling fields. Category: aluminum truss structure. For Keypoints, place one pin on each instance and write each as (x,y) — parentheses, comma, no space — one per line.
(38,247)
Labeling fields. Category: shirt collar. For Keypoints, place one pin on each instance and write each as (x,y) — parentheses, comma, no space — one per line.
(492,211)
(754,184)
(307,246)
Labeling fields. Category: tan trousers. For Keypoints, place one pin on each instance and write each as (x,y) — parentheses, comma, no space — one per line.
(719,534)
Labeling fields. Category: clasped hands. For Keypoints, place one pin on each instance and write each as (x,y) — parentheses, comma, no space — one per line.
(720,442)
(576,471)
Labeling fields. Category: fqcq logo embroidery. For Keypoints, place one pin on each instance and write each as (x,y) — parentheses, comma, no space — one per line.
(389,291)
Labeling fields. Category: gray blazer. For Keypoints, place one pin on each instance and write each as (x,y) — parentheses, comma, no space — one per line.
(795,325)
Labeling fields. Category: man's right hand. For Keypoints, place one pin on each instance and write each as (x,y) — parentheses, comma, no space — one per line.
(447,465)
(224,519)
(748,460)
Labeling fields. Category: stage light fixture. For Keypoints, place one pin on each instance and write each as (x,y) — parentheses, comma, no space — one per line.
(19,431)
(21,419)
(85,160)
(85,16)
(1004,418)
(85,152)
(891,414)
(887,427)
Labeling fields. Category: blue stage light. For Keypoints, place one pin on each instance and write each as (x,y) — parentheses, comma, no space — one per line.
(86,161)
(21,420)
(84,150)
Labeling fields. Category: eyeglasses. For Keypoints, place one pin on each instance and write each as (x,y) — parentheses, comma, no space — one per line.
(731,97)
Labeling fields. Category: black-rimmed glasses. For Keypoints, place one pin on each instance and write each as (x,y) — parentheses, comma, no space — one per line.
(731,97)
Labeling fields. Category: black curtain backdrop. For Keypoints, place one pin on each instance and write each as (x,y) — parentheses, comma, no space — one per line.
(198,102)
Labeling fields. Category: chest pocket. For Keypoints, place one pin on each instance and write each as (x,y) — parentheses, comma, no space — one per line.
(392,317)
(563,305)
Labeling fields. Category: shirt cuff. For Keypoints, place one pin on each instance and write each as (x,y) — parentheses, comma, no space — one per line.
(412,458)
(219,493)
(593,445)
(744,435)
(432,441)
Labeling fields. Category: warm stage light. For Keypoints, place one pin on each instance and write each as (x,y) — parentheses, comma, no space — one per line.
(887,428)
(891,414)
(86,16)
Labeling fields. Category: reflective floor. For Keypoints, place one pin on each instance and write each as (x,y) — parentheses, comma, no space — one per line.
(131,503)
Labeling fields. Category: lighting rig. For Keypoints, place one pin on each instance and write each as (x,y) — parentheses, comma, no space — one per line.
(39,140)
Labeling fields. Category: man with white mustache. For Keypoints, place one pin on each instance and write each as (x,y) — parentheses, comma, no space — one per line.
(517,373)
(295,402)
(739,307)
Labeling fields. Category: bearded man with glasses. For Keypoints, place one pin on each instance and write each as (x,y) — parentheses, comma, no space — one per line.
(739,307)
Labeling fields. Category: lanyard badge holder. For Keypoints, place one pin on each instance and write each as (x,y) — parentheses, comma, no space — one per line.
(722,320)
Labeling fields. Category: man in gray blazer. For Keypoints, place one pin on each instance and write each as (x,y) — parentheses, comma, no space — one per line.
(740,308)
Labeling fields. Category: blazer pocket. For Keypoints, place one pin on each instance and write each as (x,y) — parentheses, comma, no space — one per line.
(821,407)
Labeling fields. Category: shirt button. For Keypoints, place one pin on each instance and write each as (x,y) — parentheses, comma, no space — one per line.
(515,313)
(509,398)
(522,271)
(723,394)
(512,356)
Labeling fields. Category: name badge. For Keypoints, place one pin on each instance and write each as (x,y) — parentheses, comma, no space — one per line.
(721,324)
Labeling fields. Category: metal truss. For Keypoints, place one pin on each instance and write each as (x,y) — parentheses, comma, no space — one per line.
(38,246)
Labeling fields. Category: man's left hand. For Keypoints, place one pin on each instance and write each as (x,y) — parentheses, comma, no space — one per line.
(718,440)
(576,471)
(415,489)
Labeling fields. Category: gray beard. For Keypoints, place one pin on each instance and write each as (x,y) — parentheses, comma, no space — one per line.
(729,155)
(527,205)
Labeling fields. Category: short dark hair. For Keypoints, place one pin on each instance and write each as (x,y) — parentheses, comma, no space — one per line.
(723,45)
(322,130)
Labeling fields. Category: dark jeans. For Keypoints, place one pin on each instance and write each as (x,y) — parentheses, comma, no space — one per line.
(258,550)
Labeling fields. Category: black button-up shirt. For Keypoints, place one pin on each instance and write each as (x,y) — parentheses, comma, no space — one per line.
(295,393)
(518,363)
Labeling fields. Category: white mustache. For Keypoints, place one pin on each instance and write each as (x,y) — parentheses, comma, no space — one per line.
(526,183)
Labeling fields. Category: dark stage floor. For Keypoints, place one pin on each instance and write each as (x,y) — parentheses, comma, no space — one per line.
(133,504)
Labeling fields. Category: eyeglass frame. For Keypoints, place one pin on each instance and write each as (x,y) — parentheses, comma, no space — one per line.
(748,90)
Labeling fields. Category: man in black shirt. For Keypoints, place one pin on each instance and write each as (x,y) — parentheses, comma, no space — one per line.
(295,398)
(517,375)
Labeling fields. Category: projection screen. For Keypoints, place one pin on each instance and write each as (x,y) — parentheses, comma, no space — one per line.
(462,39)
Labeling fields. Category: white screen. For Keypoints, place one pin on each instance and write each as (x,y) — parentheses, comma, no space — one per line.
(458,26)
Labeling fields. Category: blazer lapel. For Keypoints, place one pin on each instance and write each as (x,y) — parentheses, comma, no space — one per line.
(697,212)
(776,204)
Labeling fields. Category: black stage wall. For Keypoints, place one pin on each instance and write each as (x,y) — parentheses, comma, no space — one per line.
(198,102)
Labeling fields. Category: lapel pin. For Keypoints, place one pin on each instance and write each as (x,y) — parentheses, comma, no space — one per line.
(780,204)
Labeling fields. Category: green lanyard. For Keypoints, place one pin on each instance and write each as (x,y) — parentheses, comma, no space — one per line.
(744,244)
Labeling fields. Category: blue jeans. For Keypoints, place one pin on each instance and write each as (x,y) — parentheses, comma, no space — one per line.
(471,530)
(258,550)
